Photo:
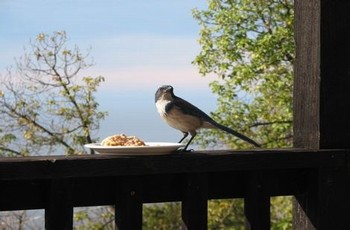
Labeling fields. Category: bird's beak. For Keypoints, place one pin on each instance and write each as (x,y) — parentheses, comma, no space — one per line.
(168,89)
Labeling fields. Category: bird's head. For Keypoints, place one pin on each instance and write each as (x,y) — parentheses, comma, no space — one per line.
(165,92)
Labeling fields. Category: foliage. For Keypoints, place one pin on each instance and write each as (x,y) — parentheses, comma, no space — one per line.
(223,214)
(281,213)
(45,104)
(164,216)
(94,218)
(249,45)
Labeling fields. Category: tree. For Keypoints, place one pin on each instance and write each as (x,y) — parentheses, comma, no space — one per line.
(249,45)
(45,104)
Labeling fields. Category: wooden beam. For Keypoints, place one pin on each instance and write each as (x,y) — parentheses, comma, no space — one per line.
(170,187)
(210,161)
(306,98)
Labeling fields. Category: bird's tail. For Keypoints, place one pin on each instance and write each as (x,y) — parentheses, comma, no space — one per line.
(237,134)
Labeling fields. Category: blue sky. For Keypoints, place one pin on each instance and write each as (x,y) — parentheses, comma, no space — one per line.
(136,45)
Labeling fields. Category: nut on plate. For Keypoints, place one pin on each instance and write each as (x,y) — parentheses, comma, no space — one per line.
(122,140)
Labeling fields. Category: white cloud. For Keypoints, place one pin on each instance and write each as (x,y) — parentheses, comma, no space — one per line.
(147,60)
(151,77)
(144,50)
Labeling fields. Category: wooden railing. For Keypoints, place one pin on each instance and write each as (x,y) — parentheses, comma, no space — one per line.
(60,183)
(319,180)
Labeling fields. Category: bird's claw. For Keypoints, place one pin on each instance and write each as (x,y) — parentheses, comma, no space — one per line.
(185,150)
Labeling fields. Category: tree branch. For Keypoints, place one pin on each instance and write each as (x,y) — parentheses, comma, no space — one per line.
(270,123)
(10,150)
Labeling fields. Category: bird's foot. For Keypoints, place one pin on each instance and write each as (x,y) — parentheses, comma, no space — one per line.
(184,150)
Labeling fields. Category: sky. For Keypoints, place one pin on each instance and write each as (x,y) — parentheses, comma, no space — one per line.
(136,45)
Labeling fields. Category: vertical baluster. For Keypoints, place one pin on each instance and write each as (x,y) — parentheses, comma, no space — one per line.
(59,207)
(195,202)
(128,209)
(257,202)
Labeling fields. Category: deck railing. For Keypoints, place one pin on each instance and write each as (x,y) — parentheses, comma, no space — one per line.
(319,180)
(60,183)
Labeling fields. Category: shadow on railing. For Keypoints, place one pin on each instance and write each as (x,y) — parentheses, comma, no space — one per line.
(60,183)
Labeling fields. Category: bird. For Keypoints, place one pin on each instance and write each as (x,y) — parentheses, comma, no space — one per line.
(184,116)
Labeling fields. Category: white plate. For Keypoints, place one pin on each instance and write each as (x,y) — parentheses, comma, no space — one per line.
(151,148)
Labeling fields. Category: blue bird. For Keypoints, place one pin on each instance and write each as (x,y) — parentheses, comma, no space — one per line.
(183,116)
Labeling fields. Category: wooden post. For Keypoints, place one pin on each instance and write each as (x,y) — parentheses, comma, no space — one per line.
(306,98)
(322,108)
(306,103)
(59,207)
(195,202)
(128,208)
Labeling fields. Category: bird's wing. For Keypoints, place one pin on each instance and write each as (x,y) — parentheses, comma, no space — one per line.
(189,109)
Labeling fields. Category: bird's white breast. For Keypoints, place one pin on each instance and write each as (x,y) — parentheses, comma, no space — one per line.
(161,104)
(177,119)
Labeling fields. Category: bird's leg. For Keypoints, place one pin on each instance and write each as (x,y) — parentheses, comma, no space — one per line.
(188,143)
(185,135)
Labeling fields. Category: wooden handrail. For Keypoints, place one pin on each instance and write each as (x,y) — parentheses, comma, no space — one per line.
(49,167)
(59,183)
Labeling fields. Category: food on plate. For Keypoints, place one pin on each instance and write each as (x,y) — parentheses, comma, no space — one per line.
(122,140)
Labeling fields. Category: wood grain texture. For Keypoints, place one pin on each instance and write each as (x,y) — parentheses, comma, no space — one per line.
(306,92)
